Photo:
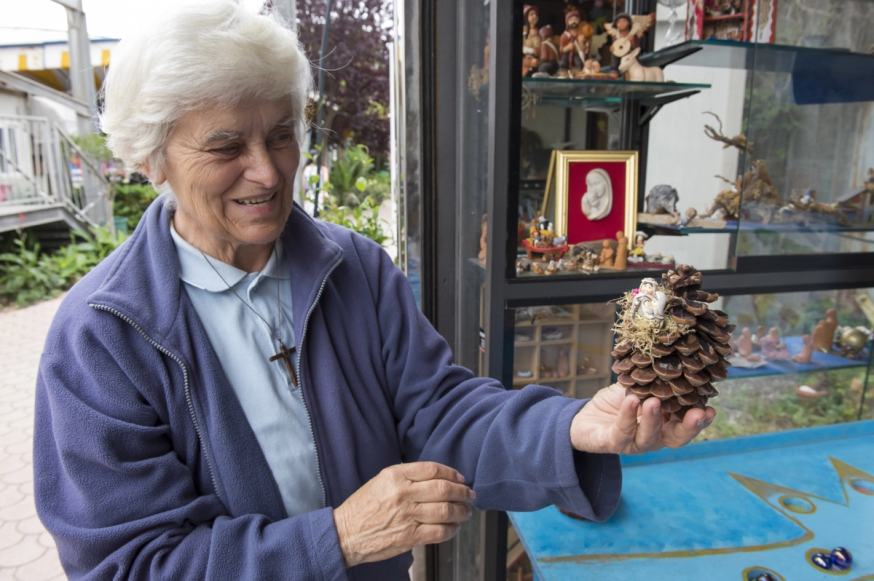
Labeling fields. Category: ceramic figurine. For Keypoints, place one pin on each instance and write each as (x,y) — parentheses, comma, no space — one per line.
(536,269)
(563,365)
(549,52)
(824,332)
(529,65)
(627,30)
(634,71)
(597,201)
(530,31)
(772,348)
(690,215)
(607,254)
(621,262)
(572,55)
(760,332)
(638,253)
(806,350)
(649,302)
(551,268)
(745,346)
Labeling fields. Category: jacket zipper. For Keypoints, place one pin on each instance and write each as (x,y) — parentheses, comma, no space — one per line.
(167,352)
(303,398)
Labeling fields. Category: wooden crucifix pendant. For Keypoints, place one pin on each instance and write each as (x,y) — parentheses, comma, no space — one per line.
(285,355)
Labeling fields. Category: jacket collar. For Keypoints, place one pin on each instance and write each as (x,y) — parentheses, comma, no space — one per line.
(143,282)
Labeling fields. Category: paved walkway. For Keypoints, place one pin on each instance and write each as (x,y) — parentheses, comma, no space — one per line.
(27,552)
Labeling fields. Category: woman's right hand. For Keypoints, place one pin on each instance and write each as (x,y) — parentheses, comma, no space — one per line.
(402,507)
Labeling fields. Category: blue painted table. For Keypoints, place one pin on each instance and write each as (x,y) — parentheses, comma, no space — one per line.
(722,510)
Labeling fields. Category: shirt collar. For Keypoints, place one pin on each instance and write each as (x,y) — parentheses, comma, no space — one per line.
(194,269)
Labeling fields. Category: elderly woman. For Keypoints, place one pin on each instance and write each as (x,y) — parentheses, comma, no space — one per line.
(243,392)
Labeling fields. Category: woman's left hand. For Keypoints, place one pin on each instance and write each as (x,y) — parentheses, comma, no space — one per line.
(618,424)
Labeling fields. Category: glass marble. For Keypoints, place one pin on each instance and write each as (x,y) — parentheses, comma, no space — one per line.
(841,558)
(821,560)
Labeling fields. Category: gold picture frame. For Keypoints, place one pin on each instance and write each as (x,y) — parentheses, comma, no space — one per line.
(565,171)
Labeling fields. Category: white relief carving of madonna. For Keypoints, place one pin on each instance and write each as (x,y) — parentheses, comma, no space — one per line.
(598,199)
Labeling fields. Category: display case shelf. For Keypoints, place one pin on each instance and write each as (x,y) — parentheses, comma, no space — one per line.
(820,75)
(818,362)
(594,92)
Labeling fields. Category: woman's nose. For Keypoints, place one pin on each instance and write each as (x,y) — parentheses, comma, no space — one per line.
(261,168)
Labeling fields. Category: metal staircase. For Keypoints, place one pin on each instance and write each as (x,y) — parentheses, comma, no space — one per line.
(45,178)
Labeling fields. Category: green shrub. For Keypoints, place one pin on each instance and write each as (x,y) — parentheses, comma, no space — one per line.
(131,200)
(27,275)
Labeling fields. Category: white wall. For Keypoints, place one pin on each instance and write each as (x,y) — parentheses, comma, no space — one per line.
(12,103)
(682,156)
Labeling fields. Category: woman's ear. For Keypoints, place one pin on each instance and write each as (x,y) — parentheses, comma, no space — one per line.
(157,179)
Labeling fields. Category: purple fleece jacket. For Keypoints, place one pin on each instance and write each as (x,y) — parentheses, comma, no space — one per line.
(146,468)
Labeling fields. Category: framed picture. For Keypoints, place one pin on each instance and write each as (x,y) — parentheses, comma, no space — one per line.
(595,194)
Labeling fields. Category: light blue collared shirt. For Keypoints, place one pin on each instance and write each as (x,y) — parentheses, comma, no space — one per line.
(244,344)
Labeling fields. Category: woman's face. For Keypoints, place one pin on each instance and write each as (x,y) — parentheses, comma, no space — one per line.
(233,172)
(533,18)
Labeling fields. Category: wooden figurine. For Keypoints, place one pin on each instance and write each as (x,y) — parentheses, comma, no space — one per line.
(621,262)
(607,254)
(806,350)
(745,346)
(824,333)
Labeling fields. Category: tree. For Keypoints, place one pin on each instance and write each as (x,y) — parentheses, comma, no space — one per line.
(356,69)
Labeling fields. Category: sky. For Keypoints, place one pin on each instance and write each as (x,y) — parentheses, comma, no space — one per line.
(26,21)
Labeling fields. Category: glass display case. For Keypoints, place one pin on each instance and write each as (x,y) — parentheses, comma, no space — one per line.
(750,162)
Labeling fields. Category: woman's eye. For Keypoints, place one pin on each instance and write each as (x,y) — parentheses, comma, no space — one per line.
(283,139)
(228,150)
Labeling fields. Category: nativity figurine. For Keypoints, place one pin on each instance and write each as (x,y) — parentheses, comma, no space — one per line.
(649,302)
(549,52)
(572,55)
(607,254)
(621,262)
(806,352)
(598,199)
(824,332)
(530,31)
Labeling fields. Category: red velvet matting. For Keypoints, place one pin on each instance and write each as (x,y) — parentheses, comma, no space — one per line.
(580,228)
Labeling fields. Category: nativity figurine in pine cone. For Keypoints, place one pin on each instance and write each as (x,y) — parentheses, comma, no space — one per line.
(670,344)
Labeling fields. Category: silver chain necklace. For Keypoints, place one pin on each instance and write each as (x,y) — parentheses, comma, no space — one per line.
(284,352)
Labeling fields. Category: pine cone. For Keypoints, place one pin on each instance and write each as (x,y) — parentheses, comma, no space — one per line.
(686,356)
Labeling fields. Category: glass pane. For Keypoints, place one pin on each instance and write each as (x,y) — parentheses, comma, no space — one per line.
(777,383)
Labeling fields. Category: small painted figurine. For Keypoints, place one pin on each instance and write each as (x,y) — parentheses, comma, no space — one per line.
(572,55)
(638,254)
(745,346)
(549,52)
(649,302)
(631,28)
(530,31)
(773,348)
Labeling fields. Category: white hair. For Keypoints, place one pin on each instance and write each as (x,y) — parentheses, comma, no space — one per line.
(202,54)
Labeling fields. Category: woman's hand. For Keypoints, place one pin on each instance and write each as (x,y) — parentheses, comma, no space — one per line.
(402,507)
(615,423)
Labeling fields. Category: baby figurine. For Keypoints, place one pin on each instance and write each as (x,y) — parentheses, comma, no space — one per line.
(649,302)
(772,348)
(806,351)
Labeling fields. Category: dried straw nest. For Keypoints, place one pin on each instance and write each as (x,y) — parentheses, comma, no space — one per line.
(677,360)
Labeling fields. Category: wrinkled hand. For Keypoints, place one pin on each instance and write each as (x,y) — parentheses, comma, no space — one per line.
(615,423)
(402,507)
